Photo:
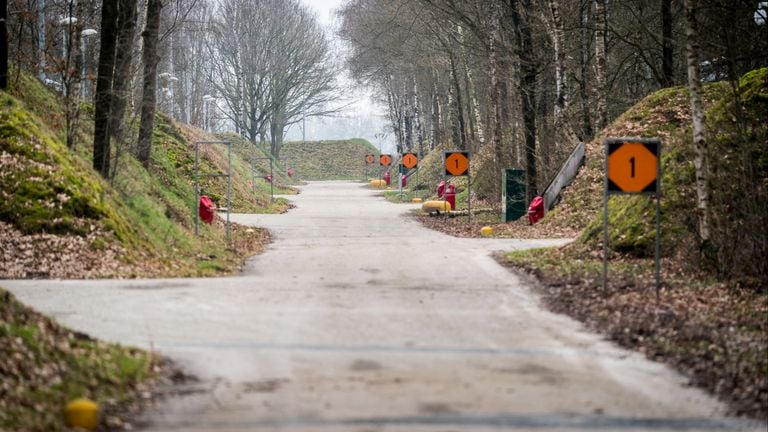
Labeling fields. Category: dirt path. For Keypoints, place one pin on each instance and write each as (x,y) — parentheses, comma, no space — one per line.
(359,319)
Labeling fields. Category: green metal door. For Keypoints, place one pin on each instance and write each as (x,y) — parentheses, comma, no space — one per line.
(513,195)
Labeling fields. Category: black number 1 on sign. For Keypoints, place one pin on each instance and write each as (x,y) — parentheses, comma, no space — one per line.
(632,162)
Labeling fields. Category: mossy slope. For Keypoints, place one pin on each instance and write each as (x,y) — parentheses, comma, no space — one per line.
(736,132)
(44,366)
(330,160)
(145,217)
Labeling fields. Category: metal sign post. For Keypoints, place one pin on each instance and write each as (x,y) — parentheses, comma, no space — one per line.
(633,166)
(271,175)
(456,164)
(228,175)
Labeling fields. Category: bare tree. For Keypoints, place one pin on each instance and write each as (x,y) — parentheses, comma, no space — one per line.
(701,159)
(103,99)
(601,88)
(3,46)
(149,97)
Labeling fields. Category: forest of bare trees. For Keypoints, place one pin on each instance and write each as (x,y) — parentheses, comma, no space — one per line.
(520,82)
(517,82)
(252,66)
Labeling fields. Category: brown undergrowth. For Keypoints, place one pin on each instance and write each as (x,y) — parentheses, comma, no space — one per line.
(714,333)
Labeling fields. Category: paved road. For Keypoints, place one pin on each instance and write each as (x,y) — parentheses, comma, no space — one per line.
(358,319)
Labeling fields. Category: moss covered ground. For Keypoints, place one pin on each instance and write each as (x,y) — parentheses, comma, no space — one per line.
(329,160)
(137,223)
(709,319)
(44,366)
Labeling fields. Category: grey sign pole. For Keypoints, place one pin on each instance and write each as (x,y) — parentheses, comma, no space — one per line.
(228,175)
(271,175)
(633,166)
(197,191)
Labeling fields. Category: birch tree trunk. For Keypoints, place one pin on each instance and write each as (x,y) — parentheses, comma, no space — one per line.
(600,64)
(149,96)
(72,80)
(458,104)
(126,24)
(586,117)
(475,119)
(561,79)
(701,160)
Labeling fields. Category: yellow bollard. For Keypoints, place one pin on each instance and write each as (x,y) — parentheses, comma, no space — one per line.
(378,184)
(82,413)
(486,231)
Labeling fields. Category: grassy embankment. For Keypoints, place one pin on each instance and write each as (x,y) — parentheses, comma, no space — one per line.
(43,366)
(710,321)
(59,218)
(330,160)
(69,222)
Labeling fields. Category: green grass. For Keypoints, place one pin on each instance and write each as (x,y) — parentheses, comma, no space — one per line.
(330,160)
(47,188)
(47,366)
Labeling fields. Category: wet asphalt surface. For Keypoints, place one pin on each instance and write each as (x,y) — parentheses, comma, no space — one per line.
(357,318)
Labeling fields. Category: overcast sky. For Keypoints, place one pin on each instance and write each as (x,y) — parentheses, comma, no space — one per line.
(325,9)
(362,104)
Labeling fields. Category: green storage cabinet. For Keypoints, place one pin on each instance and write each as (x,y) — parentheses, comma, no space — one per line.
(513,195)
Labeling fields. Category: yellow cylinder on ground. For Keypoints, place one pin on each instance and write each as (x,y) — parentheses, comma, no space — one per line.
(416,200)
(378,184)
(486,231)
(82,413)
(436,206)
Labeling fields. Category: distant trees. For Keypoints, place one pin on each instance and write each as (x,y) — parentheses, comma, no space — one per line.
(518,81)
(271,65)
(254,66)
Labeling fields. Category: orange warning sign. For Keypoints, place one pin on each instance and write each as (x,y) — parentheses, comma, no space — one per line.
(385,160)
(633,167)
(456,163)
(369,159)
(410,160)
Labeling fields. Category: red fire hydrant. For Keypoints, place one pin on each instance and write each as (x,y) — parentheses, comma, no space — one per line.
(387,178)
(450,196)
(536,210)
(207,210)
(290,172)
(440,189)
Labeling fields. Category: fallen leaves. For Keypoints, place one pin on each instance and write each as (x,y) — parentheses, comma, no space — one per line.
(43,366)
(714,333)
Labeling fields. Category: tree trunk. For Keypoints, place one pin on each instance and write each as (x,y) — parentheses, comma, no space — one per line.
(497,148)
(701,160)
(437,132)
(458,104)
(586,117)
(103,97)
(149,96)
(600,64)
(561,79)
(667,47)
(4,46)
(527,88)
(73,75)
(126,30)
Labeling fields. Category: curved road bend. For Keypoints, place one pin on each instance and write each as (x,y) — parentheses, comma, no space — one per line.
(358,319)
